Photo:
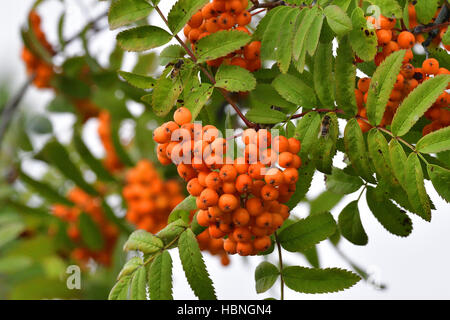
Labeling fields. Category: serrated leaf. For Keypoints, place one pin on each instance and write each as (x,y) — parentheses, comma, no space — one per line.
(294,90)
(305,233)
(187,205)
(305,174)
(425,10)
(143,38)
(323,74)
(379,154)
(266,94)
(398,159)
(173,230)
(285,38)
(137,80)
(138,286)
(171,53)
(350,225)
(325,145)
(181,12)
(362,39)
(234,79)
(446,37)
(143,241)
(338,20)
(263,113)
(160,277)
(355,148)
(435,142)
(381,86)
(345,74)
(123,12)
(342,183)
(194,267)
(415,188)
(440,177)
(275,26)
(120,289)
(307,19)
(197,98)
(417,102)
(307,130)
(393,219)
(90,232)
(312,280)
(219,44)
(130,267)
(264,22)
(165,94)
(266,274)
(388,8)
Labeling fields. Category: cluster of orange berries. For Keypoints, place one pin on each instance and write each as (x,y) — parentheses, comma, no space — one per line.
(225,15)
(150,199)
(419,37)
(111,160)
(407,80)
(34,64)
(91,206)
(241,200)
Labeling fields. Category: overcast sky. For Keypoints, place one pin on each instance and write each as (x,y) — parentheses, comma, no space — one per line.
(416,267)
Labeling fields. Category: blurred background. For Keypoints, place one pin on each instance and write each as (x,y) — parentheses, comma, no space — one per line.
(416,267)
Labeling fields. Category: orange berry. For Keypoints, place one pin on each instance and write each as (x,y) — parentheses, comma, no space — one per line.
(264,220)
(228,202)
(244,18)
(182,116)
(285,159)
(196,20)
(194,187)
(228,173)
(406,40)
(280,144)
(208,11)
(294,145)
(384,36)
(240,217)
(244,183)
(290,175)
(364,84)
(226,21)
(269,193)
(230,246)
(202,218)
(254,206)
(194,35)
(213,181)
(262,243)
(430,66)
(242,234)
(274,177)
(244,248)
(212,25)
(252,51)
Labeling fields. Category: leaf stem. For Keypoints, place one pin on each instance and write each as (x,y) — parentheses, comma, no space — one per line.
(280,258)
(208,74)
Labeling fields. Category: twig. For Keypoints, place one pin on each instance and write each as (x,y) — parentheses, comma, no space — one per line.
(316,110)
(266,5)
(280,258)
(209,75)
(11,107)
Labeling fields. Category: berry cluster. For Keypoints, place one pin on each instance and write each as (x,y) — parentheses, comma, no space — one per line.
(242,199)
(34,64)
(91,206)
(150,199)
(407,80)
(225,15)
(111,160)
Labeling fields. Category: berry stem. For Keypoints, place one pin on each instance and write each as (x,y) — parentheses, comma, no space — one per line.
(280,258)
(224,93)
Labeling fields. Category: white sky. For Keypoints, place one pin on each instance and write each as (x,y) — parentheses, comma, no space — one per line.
(416,267)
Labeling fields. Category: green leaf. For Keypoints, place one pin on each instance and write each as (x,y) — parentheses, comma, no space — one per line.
(197,98)
(165,94)
(90,232)
(440,177)
(307,232)
(393,219)
(138,286)
(181,12)
(312,280)
(435,142)
(305,174)
(173,230)
(94,164)
(45,190)
(130,267)
(362,39)
(53,152)
(325,148)
(10,231)
(123,12)
(120,289)
(263,113)
(277,24)
(299,46)
(294,90)
(194,267)
(266,94)
(323,74)
(138,81)
(266,274)
(426,9)
(324,202)
(345,74)
(340,182)
(219,44)
(398,159)
(381,86)
(143,241)
(187,205)
(417,102)
(307,130)
(446,38)
(338,20)
(285,38)
(160,277)
(415,188)
(10,265)
(314,32)
(234,79)
(171,53)
(350,225)
(388,8)
(356,150)
(143,38)
(379,154)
